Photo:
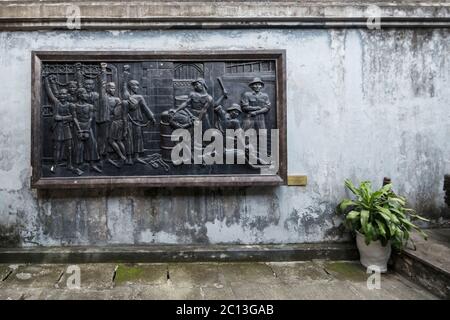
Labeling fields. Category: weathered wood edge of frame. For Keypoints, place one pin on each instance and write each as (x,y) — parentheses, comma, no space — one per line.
(38,182)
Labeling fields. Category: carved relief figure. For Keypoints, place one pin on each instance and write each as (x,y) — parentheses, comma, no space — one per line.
(62,125)
(229,119)
(104,114)
(101,126)
(137,109)
(83,114)
(92,96)
(198,103)
(72,88)
(118,130)
(77,82)
(255,104)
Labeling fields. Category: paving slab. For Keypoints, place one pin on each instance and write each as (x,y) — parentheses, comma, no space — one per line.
(34,276)
(20,293)
(167,292)
(88,294)
(247,273)
(92,276)
(392,287)
(211,293)
(345,270)
(94,295)
(402,289)
(196,275)
(333,290)
(289,272)
(140,274)
(5,270)
(277,291)
(250,290)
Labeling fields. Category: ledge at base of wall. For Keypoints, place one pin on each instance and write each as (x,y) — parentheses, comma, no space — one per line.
(180,253)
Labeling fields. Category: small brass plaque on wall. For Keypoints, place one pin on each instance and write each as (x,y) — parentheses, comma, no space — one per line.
(297,180)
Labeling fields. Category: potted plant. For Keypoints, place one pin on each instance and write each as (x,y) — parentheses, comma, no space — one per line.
(380,220)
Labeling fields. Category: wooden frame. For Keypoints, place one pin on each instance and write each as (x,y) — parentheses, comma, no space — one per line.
(37,181)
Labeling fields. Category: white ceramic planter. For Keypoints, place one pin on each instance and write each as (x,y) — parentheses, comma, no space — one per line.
(374,254)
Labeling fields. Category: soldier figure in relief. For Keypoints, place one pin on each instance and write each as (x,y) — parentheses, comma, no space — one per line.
(229,119)
(255,104)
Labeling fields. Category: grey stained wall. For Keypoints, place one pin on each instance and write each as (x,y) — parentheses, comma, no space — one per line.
(361,104)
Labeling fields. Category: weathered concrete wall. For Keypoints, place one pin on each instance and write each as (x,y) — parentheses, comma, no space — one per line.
(361,104)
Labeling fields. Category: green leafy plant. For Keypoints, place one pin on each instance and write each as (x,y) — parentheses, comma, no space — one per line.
(379,215)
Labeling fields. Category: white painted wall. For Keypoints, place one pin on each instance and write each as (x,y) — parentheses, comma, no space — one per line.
(361,104)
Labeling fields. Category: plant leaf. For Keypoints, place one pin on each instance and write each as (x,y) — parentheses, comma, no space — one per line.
(415,216)
(381,227)
(352,215)
(349,184)
(364,220)
(399,200)
(387,213)
(345,204)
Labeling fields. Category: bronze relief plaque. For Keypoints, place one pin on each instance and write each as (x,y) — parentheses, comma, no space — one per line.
(130,119)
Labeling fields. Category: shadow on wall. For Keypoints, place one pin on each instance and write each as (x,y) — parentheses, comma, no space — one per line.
(446,213)
(9,236)
(447,189)
(439,215)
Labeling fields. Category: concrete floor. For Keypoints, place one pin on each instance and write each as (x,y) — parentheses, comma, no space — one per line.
(277,280)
